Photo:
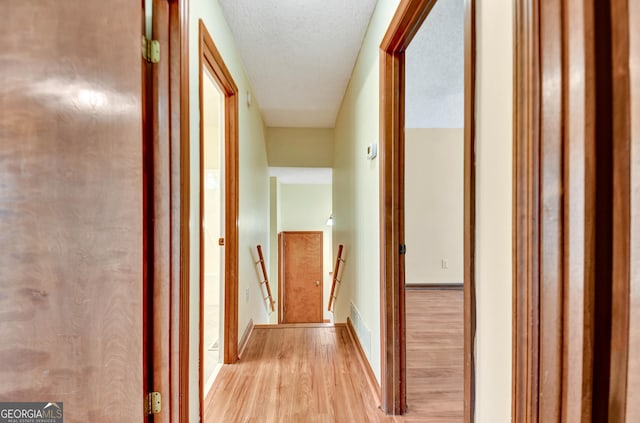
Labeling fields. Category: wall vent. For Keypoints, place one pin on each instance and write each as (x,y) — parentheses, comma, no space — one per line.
(363,332)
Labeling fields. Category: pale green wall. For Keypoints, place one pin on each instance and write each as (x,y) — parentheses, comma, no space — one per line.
(272,267)
(300,147)
(307,208)
(355,185)
(253,219)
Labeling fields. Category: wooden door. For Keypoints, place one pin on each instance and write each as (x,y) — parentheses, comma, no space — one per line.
(71,207)
(301,285)
(575,198)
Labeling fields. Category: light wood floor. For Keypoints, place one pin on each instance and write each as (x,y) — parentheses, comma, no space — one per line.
(297,375)
(307,375)
(435,356)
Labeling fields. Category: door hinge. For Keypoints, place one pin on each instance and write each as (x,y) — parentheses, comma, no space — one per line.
(153,403)
(403,249)
(150,50)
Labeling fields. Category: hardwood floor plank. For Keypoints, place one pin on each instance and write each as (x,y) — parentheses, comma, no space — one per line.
(314,374)
(435,356)
(294,374)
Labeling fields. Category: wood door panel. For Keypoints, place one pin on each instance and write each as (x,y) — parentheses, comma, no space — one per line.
(302,277)
(71,211)
(633,384)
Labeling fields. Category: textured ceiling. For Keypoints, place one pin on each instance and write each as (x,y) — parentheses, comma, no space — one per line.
(435,69)
(299,54)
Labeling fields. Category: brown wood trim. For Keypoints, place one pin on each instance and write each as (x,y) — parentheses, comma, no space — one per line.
(158,192)
(210,58)
(147,216)
(621,168)
(434,286)
(298,325)
(244,339)
(280,273)
(539,218)
(572,149)
(364,362)
(578,215)
(633,381)
(392,313)
(407,20)
(469,209)
(405,23)
(265,281)
(180,207)
(334,279)
(551,260)
(525,212)
(201,234)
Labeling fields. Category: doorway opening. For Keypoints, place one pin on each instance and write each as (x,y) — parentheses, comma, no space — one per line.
(404,26)
(301,202)
(212,220)
(218,213)
(434,215)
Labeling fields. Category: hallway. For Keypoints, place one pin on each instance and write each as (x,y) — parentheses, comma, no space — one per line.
(309,373)
(104,280)
(294,374)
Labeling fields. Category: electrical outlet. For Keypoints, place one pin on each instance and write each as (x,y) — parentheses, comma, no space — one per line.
(445,264)
(246,295)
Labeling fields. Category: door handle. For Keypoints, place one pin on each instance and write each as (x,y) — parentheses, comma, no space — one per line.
(317,283)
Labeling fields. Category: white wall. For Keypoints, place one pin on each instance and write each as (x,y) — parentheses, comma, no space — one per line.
(307,208)
(434,205)
(253,219)
(356,198)
(494,141)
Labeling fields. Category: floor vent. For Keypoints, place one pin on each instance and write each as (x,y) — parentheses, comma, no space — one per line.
(363,332)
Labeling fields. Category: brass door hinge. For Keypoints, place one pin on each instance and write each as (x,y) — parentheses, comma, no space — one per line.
(150,50)
(153,403)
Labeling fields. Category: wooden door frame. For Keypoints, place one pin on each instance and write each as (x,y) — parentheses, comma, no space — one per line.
(173,99)
(572,140)
(633,388)
(167,190)
(211,59)
(280,276)
(407,20)
(281,263)
(180,208)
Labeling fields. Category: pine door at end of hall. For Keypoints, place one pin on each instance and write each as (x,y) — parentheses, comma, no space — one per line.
(300,277)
